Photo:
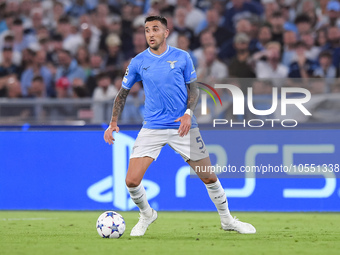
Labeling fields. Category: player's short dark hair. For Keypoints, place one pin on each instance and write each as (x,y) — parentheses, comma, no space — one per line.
(159,18)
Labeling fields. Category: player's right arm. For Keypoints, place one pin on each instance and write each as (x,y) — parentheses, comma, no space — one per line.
(118,107)
(130,78)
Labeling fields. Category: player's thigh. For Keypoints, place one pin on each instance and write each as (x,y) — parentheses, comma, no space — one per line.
(202,168)
(136,170)
(149,143)
(145,150)
(190,147)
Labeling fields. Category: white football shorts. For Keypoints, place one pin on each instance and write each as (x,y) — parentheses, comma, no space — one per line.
(150,142)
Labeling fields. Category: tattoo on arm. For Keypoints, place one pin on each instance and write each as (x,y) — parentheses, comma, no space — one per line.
(193,96)
(119,104)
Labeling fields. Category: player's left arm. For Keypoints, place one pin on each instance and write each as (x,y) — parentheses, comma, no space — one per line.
(193,95)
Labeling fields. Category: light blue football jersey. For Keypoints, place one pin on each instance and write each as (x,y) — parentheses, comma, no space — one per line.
(164,80)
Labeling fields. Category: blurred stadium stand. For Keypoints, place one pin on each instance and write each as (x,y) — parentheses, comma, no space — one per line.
(62,61)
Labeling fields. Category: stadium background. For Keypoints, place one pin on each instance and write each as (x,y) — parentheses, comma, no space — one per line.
(61,65)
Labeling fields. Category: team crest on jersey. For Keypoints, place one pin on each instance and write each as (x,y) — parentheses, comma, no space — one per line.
(127,71)
(172,64)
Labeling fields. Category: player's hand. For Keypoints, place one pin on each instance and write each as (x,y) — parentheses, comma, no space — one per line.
(184,128)
(108,137)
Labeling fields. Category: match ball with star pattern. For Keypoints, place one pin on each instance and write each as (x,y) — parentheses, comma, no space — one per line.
(110,225)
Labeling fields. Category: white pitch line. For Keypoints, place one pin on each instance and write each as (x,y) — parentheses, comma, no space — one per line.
(10,219)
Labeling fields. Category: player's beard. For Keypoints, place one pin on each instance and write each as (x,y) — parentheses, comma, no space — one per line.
(156,46)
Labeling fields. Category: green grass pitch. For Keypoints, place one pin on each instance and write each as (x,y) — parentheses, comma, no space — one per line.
(60,232)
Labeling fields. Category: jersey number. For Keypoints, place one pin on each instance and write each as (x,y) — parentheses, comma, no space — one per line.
(199,140)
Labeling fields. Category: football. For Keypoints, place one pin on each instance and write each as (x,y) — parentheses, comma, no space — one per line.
(110,225)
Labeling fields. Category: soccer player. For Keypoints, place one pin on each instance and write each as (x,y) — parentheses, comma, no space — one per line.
(167,74)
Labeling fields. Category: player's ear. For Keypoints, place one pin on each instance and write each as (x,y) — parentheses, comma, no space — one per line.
(167,32)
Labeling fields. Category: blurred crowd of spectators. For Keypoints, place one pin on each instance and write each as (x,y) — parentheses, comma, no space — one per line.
(81,48)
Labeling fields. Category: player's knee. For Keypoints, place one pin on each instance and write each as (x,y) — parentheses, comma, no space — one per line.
(132,182)
(209,180)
